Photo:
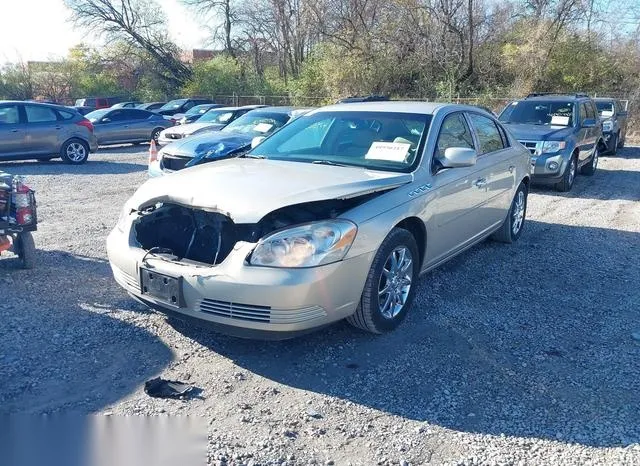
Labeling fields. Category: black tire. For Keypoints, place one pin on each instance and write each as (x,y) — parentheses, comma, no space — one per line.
(508,233)
(26,249)
(155,134)
(568,178)
(615,141)
(74,151)
(368,315)
(621,142)
(590,168)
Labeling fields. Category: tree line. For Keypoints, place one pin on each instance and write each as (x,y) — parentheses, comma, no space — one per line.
(334,48)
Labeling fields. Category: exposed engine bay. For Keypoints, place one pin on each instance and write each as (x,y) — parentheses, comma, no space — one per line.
(208,237)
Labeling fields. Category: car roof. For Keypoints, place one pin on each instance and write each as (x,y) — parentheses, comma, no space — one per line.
(605,99)
(558,97)
(276,109)
(32,102)
(226,109)
(394,106)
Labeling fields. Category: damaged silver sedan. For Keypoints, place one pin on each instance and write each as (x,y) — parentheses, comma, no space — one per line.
(335,216)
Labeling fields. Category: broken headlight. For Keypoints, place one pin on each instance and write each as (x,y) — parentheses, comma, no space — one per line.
(122,220)
(309,245)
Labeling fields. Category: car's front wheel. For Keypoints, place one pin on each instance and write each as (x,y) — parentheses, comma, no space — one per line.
(569,175)
(390,286)
(511,229)
(74,151)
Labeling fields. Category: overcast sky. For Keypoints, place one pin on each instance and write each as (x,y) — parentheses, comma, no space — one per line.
(41,30)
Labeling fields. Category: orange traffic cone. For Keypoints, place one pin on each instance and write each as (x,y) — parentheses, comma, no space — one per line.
(153,151)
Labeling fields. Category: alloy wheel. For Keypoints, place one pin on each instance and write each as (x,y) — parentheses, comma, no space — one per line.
(395,282)
(572,171)
(76,152)
(518,213)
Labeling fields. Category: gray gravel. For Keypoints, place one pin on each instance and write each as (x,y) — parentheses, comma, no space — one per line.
(523,354)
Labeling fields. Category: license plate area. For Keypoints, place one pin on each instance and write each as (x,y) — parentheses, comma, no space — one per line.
(163,288)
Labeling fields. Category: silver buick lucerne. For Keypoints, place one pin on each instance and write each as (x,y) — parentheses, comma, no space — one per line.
(334,216)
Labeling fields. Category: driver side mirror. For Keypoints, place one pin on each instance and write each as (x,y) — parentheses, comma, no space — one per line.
(588,123)
(257,140)
(457,157)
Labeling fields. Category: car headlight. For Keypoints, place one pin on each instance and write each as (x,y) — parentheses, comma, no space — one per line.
(553,146)
(309,245)
(607,126)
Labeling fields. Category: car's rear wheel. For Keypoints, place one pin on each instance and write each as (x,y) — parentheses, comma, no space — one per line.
(26,249)
(569,175)
(390,286)
(511,229)
(590,168)
(155,134)
(75,152)
(615,141)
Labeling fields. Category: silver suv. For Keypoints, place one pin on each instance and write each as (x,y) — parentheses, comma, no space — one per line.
(31,130)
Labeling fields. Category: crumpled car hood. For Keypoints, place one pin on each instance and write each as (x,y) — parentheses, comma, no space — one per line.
(526,132)
(248,189)
(210,145)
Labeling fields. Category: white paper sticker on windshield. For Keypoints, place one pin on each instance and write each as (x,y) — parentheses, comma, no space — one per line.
(607,113)
(560,120)
(262,127)
(391,151)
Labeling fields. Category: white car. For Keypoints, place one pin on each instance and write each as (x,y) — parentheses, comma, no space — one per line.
(213,120)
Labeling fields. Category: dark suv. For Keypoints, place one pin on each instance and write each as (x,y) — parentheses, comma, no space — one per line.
(562,132)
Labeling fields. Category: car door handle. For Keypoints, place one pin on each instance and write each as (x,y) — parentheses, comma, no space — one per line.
(481,183)
(15,130)
(58,127)
(511,168)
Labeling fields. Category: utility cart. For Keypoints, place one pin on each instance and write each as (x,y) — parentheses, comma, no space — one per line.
(18,218)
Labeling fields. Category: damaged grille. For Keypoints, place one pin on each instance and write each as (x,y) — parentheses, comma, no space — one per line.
(192,234)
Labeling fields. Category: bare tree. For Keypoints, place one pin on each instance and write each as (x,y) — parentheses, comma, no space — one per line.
(134,21)
(224,8)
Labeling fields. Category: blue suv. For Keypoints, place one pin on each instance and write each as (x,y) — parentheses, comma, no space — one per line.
(562,132)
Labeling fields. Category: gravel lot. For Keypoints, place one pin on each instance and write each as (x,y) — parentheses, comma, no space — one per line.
(522,354)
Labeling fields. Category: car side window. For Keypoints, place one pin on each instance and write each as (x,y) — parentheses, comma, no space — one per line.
(591,113)
(454,132)
(9,115)
(583,112)
(131,114)
(487,133)
(38,114)
(188,105)
(116,115)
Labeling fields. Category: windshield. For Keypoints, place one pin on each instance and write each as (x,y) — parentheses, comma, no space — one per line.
(198,110)
(216,116)
(97,115)
(605,108)
(375,140)
(172,105)
(257,123)
(537,112)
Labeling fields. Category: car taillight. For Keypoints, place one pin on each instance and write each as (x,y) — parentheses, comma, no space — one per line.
(22,200)
(86,123)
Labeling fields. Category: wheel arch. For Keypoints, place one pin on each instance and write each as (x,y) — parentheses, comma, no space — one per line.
(416,227)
